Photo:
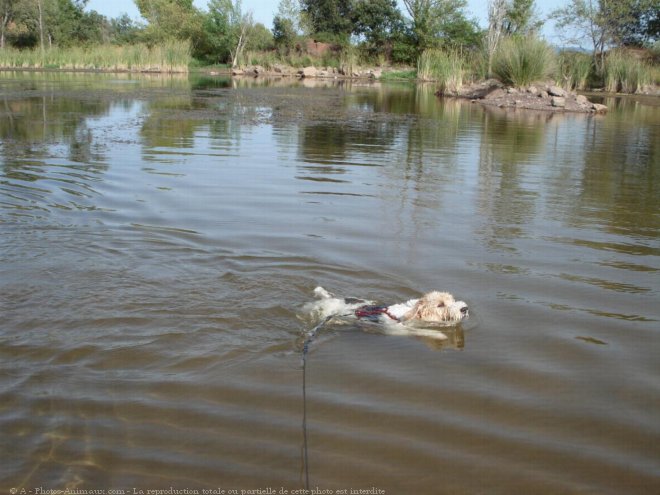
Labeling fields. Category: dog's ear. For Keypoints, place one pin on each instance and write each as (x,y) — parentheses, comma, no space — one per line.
(418,311)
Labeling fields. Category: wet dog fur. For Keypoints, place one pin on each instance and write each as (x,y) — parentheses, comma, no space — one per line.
(418,317)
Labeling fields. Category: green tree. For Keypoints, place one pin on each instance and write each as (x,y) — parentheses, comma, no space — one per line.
(433,22)
(7,13)
(329,17)
(606,23)
(462,32)
(582,20)
(228,31)
(67,23)
(53,22)
(521,18)
(380,23)
(284,34)
(290,10)
(218,30)
(171,19)
(124,30)
(632,22)
(261,38)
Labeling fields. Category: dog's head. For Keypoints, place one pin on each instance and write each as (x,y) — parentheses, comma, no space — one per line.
(438,307)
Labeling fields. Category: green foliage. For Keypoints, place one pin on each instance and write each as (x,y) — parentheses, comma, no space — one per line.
(630,22)
(124,30)
(399,75)
(655,51)
(171,20)
(329,16)
(404,50)
(379,22)
(224,26)
(261,38)
(435,22)
(607,23)
(521,18)
(574,70)
(462,33)
(218,31)
(172,56)
(332,38)
(477,64)
(284,34)
(521,61)
(445,66)
(348,60)
(289,10)
(624,73)
(63,22)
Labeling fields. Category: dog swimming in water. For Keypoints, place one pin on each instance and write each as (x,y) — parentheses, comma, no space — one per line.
(417,317)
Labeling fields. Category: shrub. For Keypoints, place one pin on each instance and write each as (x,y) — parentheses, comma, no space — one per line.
(521,60)
(445,66)
(172,56)
(624,73)
(574,70)
(348,60)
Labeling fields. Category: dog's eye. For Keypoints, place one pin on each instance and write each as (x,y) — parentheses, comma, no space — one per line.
(441,305)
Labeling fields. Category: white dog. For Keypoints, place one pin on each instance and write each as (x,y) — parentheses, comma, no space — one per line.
(408,318)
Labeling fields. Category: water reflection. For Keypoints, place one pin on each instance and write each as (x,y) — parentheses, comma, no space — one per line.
(160,235)
(508,152)
(608,171)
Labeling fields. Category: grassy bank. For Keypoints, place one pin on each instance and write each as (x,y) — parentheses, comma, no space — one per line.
(168,57)
(447,67)
(521,62)
(625,74)
(517,61)
(575,69)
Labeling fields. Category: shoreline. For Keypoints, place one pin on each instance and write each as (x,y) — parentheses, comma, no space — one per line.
(544,96)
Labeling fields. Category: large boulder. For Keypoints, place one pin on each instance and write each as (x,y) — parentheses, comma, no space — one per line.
(581,100)
(494,94)
(480,90)
(556,91)
(558,101)
(308,72)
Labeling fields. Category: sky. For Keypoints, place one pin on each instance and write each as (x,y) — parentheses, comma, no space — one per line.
(264,10)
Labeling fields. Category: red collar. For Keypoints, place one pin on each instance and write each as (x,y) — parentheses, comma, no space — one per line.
(373,312)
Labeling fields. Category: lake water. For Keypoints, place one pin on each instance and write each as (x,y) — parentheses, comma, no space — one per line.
(159,237)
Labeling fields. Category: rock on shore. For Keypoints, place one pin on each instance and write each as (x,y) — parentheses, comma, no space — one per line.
(546,96)
(542,96)
(308,72)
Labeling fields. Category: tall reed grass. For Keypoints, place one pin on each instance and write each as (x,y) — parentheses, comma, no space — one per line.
(269,59)
(445,66)
(574,70)
(172,56)
(348,60)
(521,61)
(624,73)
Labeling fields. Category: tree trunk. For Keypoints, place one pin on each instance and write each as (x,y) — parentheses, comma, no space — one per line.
(496,13)
(5,22)
(41,27)
(242,41)
(237,52)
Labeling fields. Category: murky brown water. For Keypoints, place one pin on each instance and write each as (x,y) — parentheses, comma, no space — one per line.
(158,238)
